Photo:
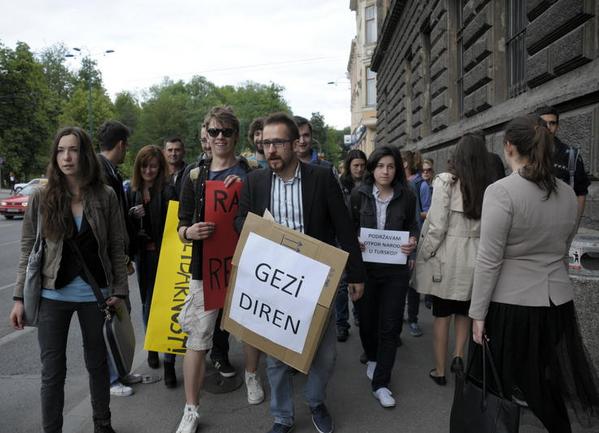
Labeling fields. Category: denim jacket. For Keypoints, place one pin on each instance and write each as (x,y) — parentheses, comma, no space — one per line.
(104,216)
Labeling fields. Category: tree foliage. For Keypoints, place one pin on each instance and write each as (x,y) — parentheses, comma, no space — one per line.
(39,95)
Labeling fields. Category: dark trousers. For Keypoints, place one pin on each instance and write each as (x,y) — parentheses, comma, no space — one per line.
(380,310)
(413,305)
(220,341)
(341,307)
(54,321)
(147,267)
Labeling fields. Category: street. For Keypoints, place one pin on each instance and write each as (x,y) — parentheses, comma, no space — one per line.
(422,406)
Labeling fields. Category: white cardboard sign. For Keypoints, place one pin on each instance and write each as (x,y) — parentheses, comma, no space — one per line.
(383,246)
(276,292)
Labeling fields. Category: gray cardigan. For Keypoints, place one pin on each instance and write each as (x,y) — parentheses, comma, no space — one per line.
(523,252)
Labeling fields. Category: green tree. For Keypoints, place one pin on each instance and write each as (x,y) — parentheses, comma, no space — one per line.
(76,110)
(127,109)
(25,127)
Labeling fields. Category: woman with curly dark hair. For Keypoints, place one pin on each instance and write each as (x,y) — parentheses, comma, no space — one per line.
(78,212)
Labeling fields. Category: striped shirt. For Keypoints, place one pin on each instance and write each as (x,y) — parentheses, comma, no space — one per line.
(286,201)
(381,208)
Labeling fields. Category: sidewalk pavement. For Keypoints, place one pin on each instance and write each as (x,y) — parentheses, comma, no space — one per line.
(422,406)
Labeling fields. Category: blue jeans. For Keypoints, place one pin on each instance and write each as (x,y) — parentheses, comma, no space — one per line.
(281,380)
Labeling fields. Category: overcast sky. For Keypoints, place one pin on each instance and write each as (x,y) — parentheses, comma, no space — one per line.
(299,44)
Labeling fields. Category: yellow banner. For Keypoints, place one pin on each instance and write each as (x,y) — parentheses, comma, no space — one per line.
(170,289)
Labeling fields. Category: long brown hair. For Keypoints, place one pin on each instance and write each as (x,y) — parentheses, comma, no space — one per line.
(534,141)
(413,161)
(56,198)
(470,163)
(142,159)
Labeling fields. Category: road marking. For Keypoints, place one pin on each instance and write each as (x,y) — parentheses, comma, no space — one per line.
(15,334)
(8,286)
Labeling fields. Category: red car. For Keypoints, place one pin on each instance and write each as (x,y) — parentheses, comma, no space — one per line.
(16,205)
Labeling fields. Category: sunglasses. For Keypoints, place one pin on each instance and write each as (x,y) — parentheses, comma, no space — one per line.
(227,132)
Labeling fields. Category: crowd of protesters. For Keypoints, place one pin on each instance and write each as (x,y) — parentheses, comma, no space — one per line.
(486,249)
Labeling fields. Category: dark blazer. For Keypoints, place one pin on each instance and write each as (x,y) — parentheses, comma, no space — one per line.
(325,214)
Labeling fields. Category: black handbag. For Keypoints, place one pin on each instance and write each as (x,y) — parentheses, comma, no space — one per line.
(119,335)
(32,288)
(477,410)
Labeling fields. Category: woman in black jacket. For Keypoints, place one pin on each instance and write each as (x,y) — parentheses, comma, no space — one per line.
(149,196)
(385,202)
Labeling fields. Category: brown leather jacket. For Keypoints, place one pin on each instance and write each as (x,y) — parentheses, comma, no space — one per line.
(104,216)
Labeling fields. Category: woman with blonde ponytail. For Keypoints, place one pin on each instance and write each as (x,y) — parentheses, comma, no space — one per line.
(522,295)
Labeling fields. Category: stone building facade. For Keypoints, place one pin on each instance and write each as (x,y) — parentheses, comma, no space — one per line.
(369,18)
(447,67)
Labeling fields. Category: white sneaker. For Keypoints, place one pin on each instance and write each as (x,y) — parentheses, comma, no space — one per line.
(190,421)
(383,395)
(254,388)
(117,389)
(370,367)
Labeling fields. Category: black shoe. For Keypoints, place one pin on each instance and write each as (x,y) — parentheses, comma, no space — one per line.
(153,361)
(170,378)
(224,367)
(322,419)
(103,427)
(457,365)
(280,428)
(342,334)
(439,380)
(363,358)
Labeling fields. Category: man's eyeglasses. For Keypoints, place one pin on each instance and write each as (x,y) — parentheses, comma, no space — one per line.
(277,143)
(427,170)
(551,122)
(227,132)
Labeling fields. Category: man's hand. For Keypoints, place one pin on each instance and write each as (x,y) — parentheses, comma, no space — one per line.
(200,231)
(113,301)
(231,179)
(355,290)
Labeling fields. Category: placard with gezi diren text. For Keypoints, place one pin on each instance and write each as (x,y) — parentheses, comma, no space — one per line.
(383,246)
(276,292)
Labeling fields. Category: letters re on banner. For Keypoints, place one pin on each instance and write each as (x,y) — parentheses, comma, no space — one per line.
(383,246)
(170,289)
(221,207)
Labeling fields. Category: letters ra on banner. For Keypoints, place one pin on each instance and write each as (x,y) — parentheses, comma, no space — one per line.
(383,246)
(276,292)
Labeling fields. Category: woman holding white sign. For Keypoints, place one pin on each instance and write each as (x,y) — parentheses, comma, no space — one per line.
(448,246)
(384,202)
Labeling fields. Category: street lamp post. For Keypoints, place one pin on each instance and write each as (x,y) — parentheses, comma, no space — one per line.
(90,111)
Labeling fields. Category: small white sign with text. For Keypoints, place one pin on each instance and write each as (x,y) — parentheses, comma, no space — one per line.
(383,246)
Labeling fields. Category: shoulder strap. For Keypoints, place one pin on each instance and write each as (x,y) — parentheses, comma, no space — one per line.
(91,280)
(198,189)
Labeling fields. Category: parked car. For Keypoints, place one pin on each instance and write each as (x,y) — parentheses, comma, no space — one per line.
(32,182)
(17,204)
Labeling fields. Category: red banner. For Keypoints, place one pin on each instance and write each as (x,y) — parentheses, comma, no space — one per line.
(221,208)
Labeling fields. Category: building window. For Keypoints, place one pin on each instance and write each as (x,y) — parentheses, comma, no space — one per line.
(370,22)
(370,87)
(516,46)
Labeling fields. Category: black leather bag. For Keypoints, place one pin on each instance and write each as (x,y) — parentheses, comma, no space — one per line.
(477,410)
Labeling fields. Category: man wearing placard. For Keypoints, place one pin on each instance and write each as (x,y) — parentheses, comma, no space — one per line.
(308,199)
(222,127)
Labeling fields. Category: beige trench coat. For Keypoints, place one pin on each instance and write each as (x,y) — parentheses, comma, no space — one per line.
(448,244)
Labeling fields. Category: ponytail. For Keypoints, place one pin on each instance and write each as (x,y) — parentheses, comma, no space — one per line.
(534,141)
